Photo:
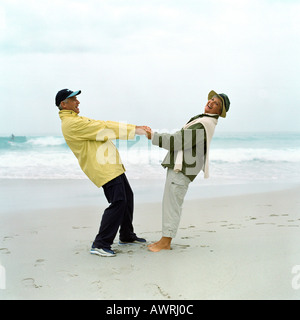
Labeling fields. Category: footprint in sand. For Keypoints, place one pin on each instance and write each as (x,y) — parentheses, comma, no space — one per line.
(288,225)
(67,276)
(30,283)
(98,284)
(76,227)
(4,251)
(181,246)
(39,262)
(159,291)
(6,238)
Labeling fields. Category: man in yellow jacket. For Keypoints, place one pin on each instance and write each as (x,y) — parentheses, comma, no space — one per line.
(90,141)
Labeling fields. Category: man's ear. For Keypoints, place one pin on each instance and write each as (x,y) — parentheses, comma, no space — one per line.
(62,104)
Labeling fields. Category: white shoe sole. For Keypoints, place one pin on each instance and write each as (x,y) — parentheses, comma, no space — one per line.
(102,253)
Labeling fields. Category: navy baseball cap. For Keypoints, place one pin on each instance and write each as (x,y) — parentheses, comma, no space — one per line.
(65,94)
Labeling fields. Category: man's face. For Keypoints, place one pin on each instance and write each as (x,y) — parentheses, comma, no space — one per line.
(71,104)
(214,106)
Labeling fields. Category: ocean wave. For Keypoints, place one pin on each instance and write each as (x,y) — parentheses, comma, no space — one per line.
(46,141)
(25,143)
(49,157)
(237,155)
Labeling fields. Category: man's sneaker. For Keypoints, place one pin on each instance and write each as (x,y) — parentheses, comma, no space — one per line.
(134,241)
(103,252)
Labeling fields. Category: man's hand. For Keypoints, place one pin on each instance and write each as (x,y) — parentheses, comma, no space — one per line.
(144,130)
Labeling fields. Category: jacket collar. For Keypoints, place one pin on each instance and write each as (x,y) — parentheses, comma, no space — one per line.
(216,116)
(67,113)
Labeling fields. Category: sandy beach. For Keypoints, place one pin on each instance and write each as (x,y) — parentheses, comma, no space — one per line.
(232,247)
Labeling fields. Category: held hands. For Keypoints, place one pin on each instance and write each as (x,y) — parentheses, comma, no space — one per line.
(144,130)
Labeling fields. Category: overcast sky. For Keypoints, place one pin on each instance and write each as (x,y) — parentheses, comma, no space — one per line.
(150,62)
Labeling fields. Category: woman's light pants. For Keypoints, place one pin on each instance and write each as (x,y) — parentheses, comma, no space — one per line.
(175,190)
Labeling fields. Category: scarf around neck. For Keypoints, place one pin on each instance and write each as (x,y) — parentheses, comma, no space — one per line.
(209,123)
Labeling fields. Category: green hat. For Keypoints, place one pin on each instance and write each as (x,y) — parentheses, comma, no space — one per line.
(224,99)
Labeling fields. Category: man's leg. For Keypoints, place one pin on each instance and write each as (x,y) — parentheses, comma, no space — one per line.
(113,216)
(126,231)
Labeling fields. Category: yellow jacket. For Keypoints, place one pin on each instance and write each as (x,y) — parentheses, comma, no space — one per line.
(90,141)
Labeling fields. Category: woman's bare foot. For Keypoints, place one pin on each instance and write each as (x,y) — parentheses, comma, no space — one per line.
(152,244)
(163,244)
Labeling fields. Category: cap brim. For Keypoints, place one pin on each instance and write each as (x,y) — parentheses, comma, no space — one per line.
(213,93)
(75,93)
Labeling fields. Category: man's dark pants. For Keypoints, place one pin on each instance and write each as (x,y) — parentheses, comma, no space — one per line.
(119,214)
